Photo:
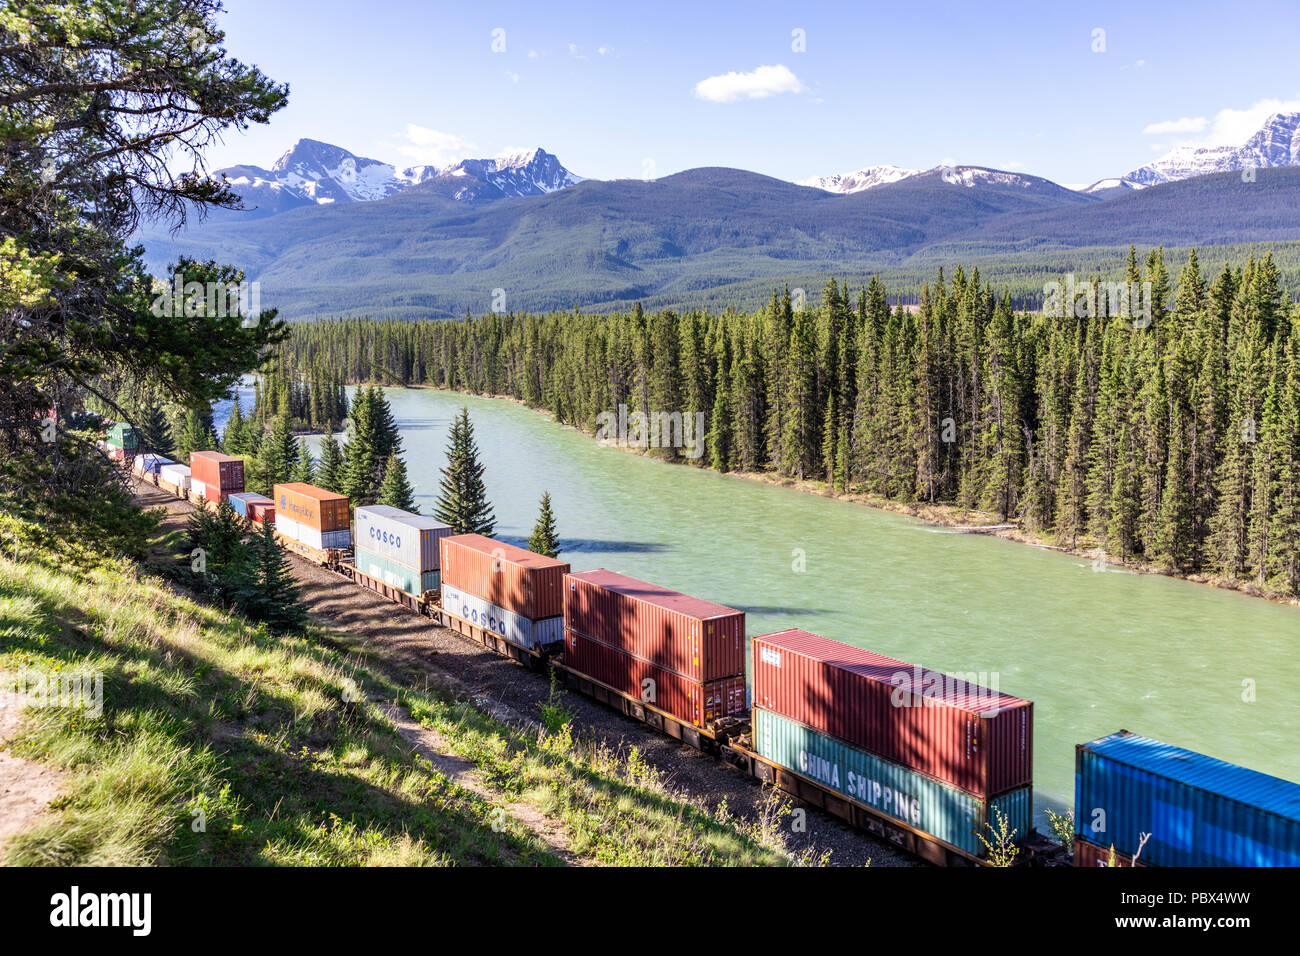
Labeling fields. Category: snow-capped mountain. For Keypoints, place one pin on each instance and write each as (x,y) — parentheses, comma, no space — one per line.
(1276,143)
(312,172)
(866,178)
(872,176)
(521,173)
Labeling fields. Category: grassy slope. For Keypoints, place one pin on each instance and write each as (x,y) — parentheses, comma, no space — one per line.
(203,712)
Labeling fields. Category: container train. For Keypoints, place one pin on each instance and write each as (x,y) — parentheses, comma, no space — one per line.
(931,763)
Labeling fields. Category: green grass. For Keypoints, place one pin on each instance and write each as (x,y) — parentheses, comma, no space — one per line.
(220,744)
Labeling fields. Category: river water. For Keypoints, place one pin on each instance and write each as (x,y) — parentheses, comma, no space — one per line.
(1203,668)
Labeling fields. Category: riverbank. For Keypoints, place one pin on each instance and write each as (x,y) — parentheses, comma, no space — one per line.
(958,520)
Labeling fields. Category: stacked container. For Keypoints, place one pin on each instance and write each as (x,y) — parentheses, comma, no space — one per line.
(252,506)
(399,548)
(681,654)
(313,516)
(176,476)
(511,592)
(122,441)
(149,464)
(935,752)
(215,476)
(1199,811)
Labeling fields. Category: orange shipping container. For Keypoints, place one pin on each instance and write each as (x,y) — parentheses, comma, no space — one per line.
(217,471)
(314,507)
(531,585)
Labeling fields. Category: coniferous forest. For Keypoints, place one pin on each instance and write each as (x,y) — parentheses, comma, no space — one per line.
(1173,441)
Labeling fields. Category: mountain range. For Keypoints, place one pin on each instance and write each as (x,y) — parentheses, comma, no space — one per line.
(334,234)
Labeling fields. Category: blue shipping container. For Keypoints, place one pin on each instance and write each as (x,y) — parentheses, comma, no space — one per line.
(394,573)
(923,803)
(240,501)
(515,628)
(1199,811)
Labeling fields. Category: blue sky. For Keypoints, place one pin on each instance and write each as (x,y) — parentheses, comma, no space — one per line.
(630,89)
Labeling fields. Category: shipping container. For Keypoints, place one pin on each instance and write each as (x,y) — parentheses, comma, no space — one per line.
(696,638)
(245,504)
(1200,811)
(394,573)
(949,727)
(1089,854)
(406,538)
(923,803)
(149,464)
(123,436)
(177,475)
(312,507)
(515,628)
(694,702)
(216,470)
(528,584)
(312,537)
(262,511)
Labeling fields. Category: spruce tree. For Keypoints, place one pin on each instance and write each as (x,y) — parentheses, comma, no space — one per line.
(304,468)
(544,539)
(463,501)
(277,597)
(396,491)
(329,472)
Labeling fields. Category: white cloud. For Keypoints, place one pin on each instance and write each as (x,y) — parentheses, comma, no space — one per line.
(1013,166)
(430,147)
(765,81)
(573,52)
(532,54)
(1229,127)
(1186,124)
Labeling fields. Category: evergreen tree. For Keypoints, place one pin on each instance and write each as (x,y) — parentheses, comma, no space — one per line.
(395,490)
(544,539)
(304,468)
(463,503)
(330,470)
(277,596)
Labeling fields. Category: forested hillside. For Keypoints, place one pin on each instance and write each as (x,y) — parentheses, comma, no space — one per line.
(1175,442)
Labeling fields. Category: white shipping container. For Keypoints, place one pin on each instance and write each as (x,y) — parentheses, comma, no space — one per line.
(149,464)
(178,475)
(305,534)
(197,489)
(513,627)
(403,537)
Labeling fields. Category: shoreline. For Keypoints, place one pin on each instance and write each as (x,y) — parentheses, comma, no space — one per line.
(959,520)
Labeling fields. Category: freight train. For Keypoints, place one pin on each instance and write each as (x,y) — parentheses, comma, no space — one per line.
(931,763)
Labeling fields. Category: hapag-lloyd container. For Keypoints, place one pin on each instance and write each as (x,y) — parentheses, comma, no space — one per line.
(516,628)
(695,638)
(394,573)
(216,470)
(961,733)
(528,584)
(313,507)
(916,799)
(695,702)
(312,537)
(176,475)
(1199,811)
(406,538)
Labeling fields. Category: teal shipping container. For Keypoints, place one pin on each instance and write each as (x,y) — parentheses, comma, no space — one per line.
(922,803)
(394,573)
(1198,810)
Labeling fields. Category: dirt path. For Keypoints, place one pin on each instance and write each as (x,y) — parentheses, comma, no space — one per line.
(418,653)
(26,788)
(434,747)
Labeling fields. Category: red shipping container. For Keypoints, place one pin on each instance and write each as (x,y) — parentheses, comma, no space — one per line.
(216,470)
(691,701)
(695,638)
(314,507)
(261,512)
(1089,855)
(976,739)
(531,585)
